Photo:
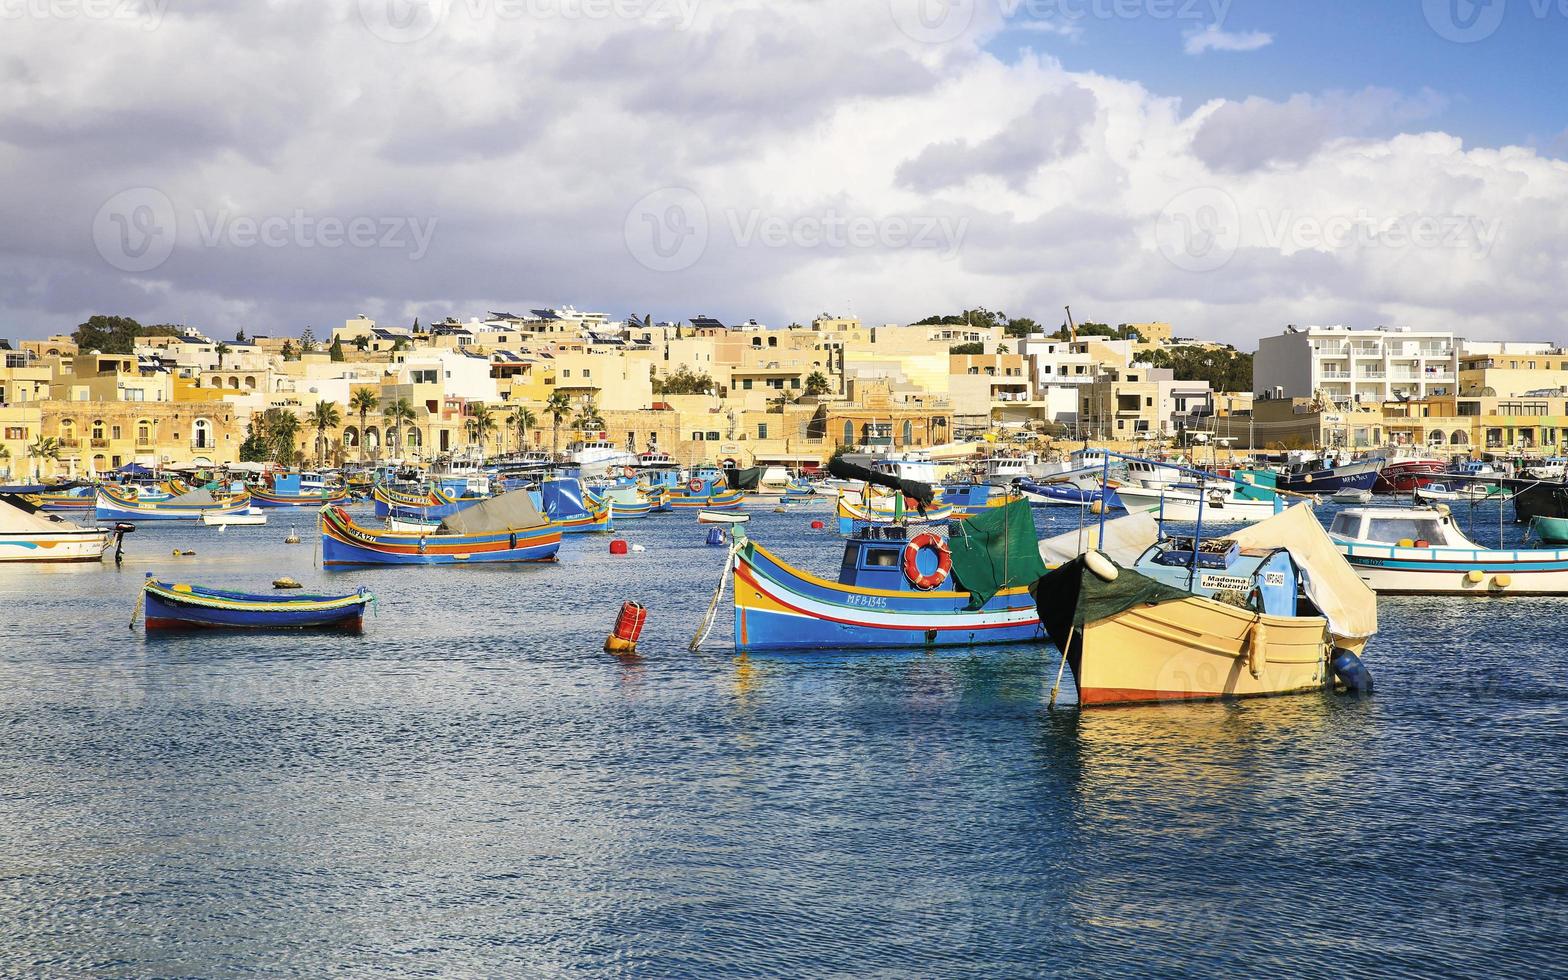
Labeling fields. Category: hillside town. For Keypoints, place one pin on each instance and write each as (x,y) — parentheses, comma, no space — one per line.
(702,391)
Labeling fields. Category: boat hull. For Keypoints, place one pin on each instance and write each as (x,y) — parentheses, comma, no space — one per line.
(1406,475)
(1176,506)
(166,609)
(1392,570)
(778,607)
(112,508)
(264,498)
(1195,649)
(1356,476)
(83,544)
(343,542)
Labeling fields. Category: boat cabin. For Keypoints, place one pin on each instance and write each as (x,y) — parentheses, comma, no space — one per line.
(874,559)
(1264,580)
(1392,525)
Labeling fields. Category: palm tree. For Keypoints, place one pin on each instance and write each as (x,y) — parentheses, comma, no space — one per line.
(522,419)
(396,415)
(5,457)
(777,402)
(588,416)
(282,427)
(222,350)
(41,449)
(364,401)
(483,423)
(325,416)
(557,407)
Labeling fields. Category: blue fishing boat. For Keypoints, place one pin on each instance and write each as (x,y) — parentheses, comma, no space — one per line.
(505,528)
(894,589)
(1068,494)
(1325,476)
(297,490)
(169,605)
(116,504)
(571,508)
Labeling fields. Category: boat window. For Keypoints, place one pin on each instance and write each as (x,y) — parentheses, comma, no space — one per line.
(881,558)
(1393,529)
(1345,524)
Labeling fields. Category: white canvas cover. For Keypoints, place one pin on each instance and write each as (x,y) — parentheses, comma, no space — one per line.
(193,498)
(1126,539)
(1348,603)
(510,511)
(15,520)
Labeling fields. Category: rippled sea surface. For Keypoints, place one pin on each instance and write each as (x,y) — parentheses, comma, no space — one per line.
(473,787)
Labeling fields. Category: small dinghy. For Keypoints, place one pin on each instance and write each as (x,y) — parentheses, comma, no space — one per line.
(250,517)
(721,517)
(179,606)
(1351,495)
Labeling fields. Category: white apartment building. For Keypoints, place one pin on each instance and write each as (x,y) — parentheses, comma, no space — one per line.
(1356,366)
(1060,368)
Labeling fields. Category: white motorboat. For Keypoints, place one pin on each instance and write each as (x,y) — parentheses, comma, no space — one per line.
(1004,471)
(1450,492)
(1220,505)
(722,517)
(249,517)
(599,457)
(1421,551)
(1351,495)
(35,536)
(1154,474)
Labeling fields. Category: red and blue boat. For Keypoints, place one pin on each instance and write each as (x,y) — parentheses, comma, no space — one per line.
(169,605)
(891,592)
(505,528)
(297,490)
(701,493)
(119,504)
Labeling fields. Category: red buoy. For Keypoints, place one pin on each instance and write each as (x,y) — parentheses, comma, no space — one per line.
(628,628)
(618,546)
(817,525)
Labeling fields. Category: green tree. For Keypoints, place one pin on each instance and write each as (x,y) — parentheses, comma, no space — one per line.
(256,448)
(116,334)
(1021,327)
(362,343)
(397,415)
(482,419)
(558,406)
(222,350)
(282,428)
(684,381)
(588,417)
(288,350)
(41,449)
(323,417)
(363,401)
(522,419)
(307,341)
(817,384)
(975,348)
(336,350)
(239,336)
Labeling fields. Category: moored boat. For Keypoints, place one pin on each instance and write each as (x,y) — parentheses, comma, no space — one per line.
(250,517)
(1422,552)
(894,589)
(505,528)
(30,535)
(1270,610)
(297,490)
(114,504)
(1213,505)
(169,605)
(1325,476)
(1403,475)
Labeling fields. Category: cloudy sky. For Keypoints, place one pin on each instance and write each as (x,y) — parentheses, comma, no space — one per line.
(1229,166)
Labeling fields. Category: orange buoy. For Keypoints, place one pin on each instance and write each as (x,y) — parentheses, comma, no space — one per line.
(628,628)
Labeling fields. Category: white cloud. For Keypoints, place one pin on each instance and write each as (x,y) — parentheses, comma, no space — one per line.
(528,141)
(1216,38)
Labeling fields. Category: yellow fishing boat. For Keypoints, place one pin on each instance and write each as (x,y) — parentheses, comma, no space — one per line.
(1271,609)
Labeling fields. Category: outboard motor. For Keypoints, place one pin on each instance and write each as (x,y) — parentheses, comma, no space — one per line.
(1350,671)
(120,531)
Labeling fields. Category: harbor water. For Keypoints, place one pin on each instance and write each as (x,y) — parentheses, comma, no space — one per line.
(472,787)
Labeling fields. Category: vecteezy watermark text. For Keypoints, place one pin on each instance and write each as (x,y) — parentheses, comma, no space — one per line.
(304,230)
(668,230)
(406,21)
(1201,229)
(136,230)
(148,12)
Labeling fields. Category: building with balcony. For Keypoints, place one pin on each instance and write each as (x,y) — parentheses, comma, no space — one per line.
(1345,366)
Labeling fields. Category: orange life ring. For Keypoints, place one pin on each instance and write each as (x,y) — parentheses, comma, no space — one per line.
(944,561)
(694,485)
(628,471)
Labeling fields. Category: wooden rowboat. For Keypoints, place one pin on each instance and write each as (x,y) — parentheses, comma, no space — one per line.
(721,517)
(179,606)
